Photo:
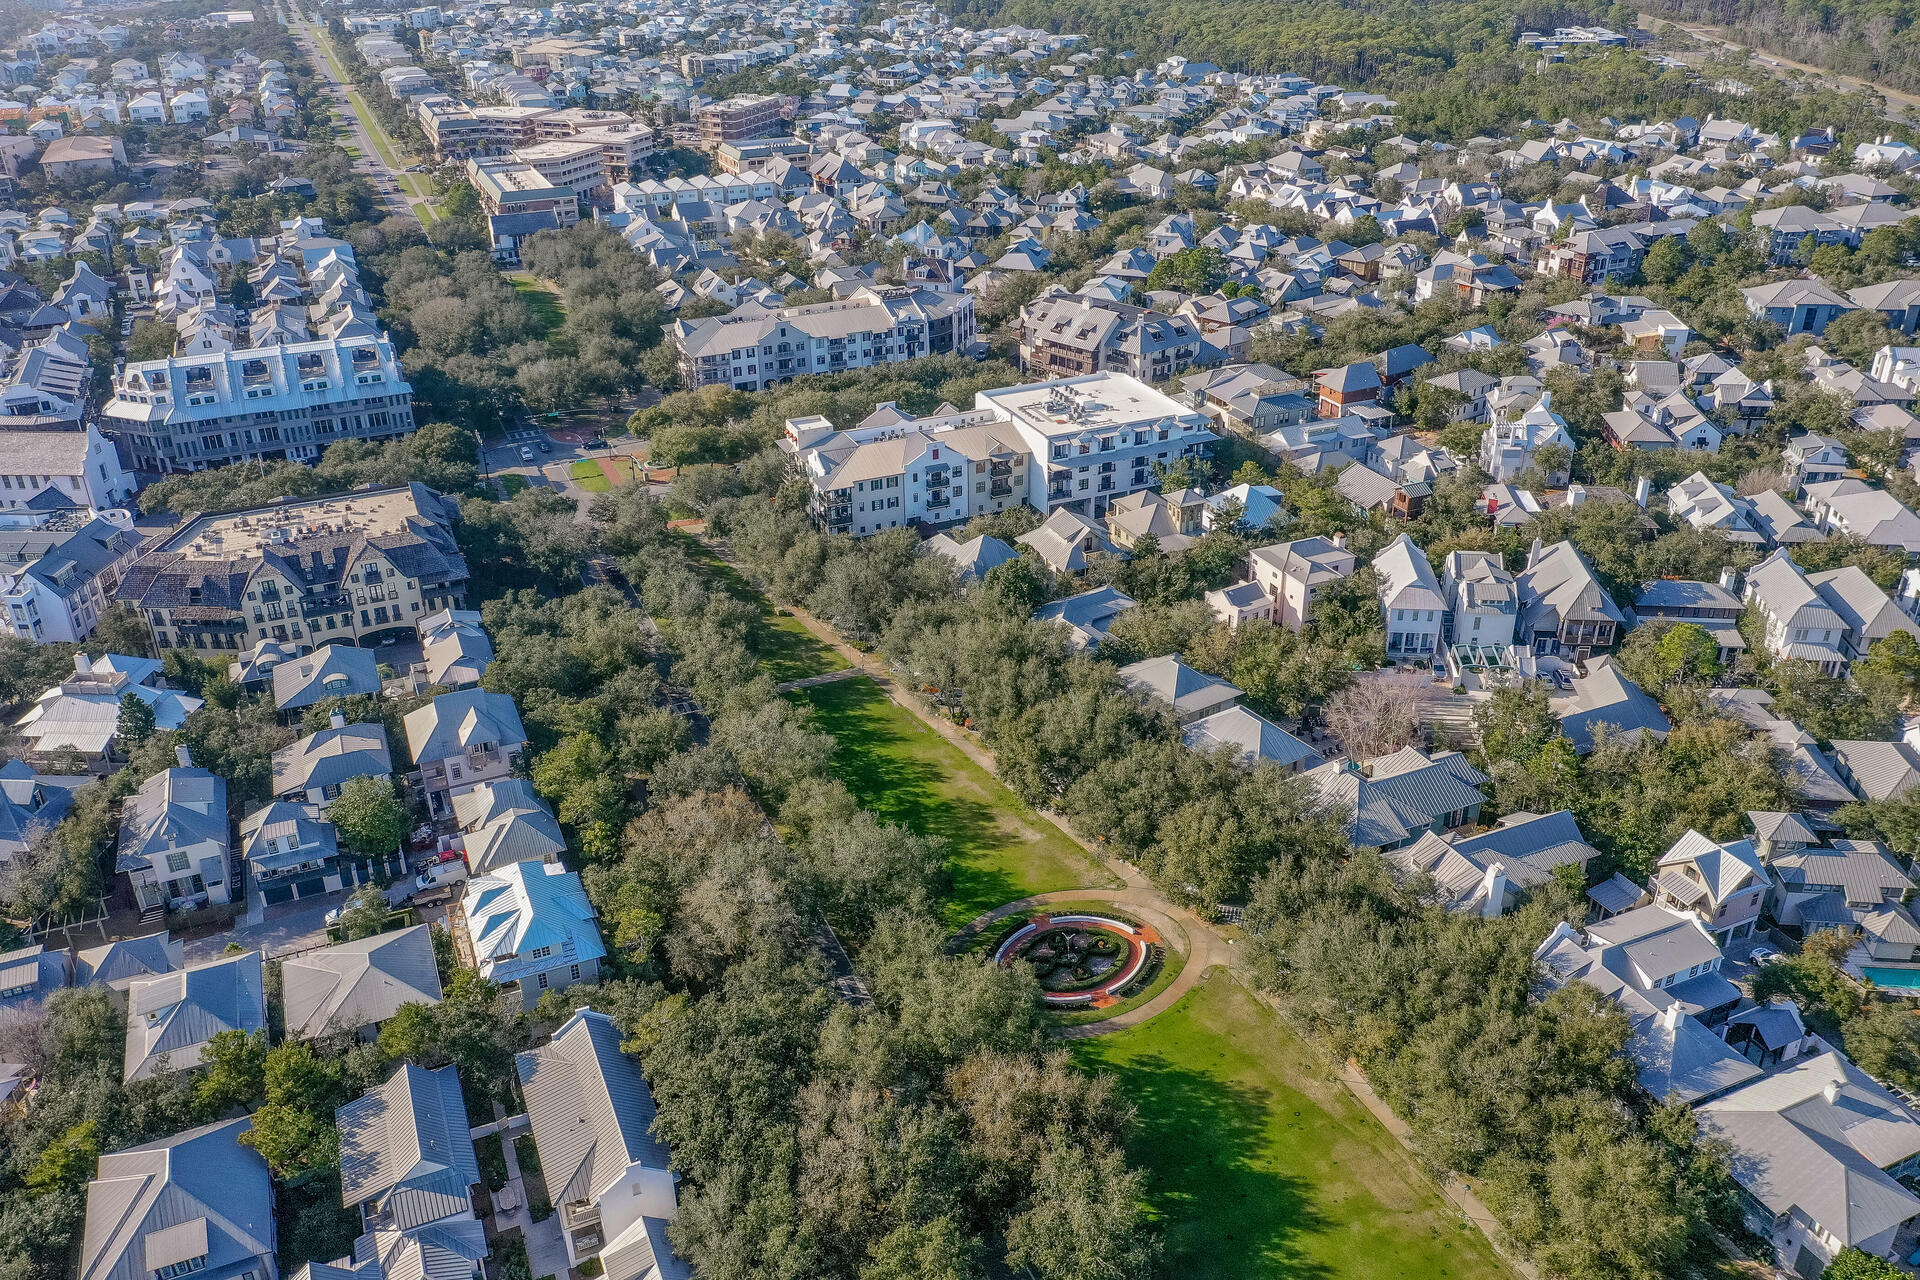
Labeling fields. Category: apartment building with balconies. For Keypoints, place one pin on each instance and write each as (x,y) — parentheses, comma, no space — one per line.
(753,348)
(260,405)
(358,566)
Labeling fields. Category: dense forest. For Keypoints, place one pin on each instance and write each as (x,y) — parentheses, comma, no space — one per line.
(1873,39)
(1452,68)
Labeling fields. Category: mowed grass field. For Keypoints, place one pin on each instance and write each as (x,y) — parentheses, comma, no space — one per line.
(1260,1166)
(906,773)
(543,299)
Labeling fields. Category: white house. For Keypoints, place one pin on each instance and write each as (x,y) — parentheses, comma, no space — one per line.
(1411,604)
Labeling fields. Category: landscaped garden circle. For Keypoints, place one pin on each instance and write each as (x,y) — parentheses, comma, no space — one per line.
(1080,959)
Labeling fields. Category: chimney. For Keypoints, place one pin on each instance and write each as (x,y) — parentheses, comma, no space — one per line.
(1670,1019)
(1533,553)
(82,665)
(181,754)
(1494,888)
(1730,580)
(1340,539)
(1576,494)
(1642,488)
(1831,1093)
(337,721)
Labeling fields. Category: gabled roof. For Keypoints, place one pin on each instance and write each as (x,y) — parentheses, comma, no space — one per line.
(524,907)
(1817,1136)
(119,964)
(453,722)
(334,670)
(1606,696)
(357,984)
(590,1108)
(406,1146)
(174,1015)
(1176,684)
(1254,737)
(198,1193)
(1724,869)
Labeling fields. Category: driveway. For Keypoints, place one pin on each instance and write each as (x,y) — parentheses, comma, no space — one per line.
(296,927)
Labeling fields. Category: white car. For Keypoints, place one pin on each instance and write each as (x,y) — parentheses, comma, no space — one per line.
(1763,956)
(526,454)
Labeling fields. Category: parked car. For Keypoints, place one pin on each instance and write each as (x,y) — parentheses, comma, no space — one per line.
(1763,956)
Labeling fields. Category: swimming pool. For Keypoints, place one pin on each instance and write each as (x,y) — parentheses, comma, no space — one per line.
(1892,979)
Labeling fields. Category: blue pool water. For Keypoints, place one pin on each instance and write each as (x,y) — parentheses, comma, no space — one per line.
(1905,979)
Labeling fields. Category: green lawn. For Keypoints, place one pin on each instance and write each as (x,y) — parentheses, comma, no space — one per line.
(1260,1166)
(905,772)
(587,474)
(548,307)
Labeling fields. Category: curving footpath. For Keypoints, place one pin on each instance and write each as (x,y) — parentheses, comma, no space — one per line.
(1204,948)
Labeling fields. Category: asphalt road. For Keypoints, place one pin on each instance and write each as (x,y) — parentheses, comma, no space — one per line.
(384,178)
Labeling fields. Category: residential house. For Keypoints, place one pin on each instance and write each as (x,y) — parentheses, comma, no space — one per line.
(1710,605)
(1509,446)
(1798,306)
(29,974)
(1818,1148)
(1412,605)
(1855,508)
(1485,874)
(1294,573)
(454,651)
(1563,608)
(506,822)
(1087,615)
(82,712)
(118,965)
(407,1162)
(170,1018)
(331,671)
(1604,696)
(1253,738)
(27,807)
(529,925)
(611,1180)
(1191,695)
(1396,797)
(355,986)
(198,1203)
(462,739)
(1724,884)
(175,841)
(313,770)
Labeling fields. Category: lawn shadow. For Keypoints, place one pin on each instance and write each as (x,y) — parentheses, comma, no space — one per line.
(1202,1141)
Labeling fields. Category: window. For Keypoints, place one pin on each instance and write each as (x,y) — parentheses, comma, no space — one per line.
(540,953)
(181,1268)
(541,982)
(574,972)
(177,862)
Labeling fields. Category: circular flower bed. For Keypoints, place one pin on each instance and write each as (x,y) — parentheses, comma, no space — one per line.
(1079,959)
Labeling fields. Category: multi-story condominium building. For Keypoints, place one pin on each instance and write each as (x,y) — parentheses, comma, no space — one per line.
(569,163)
(753,348)
(515,186)
(291,401)
(357,566)
(737,119)
(457,130)
(80,467)
(752,153)
(1080,444)
(1064,335)
(935,470)
(1097,438)
(61,586)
